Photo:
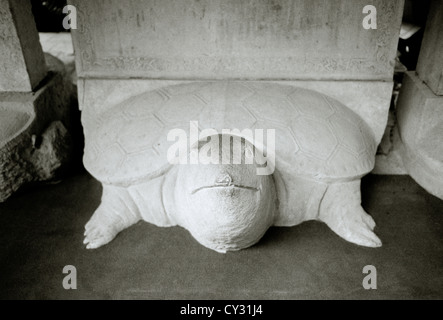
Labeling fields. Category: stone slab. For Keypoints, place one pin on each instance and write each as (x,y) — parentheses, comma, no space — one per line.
(22,64)
(369,99)
(215,39)
(430,60)
(420,123)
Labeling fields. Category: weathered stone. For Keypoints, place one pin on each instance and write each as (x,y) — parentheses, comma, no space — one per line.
(420,123)
(206,39)
(33,141)
(430,60)
(52,152)
(22,65)
(311,170)
(30,160)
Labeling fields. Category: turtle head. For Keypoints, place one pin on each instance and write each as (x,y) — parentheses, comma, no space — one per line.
(226,205)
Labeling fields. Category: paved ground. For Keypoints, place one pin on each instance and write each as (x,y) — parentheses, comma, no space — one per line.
(41,231)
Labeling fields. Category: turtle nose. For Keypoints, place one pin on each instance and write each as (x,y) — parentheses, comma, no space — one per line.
(224,180)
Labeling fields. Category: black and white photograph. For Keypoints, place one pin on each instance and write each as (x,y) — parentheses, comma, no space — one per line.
(221,154)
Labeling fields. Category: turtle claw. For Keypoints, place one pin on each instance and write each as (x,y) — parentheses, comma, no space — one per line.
(354,225)
(368,220)
(98,236)
(101,228)
(97,240)
(111,217)
(341,210)
(361,235)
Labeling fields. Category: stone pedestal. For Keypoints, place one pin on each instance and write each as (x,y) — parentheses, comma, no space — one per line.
(315,44)
(126,49)
(35,104)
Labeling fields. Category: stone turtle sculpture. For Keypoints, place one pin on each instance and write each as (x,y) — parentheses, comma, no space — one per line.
(322,149)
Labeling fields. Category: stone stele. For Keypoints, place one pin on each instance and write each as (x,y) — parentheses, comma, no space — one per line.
(321,150)
(230,39)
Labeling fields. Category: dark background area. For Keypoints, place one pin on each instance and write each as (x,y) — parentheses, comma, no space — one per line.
(48,15)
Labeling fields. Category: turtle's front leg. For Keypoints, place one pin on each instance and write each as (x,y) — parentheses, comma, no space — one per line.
(341,210)
(115,213)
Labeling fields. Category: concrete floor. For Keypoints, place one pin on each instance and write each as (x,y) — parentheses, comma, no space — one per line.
(41,231)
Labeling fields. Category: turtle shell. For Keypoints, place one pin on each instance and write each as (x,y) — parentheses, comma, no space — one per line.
(315,135)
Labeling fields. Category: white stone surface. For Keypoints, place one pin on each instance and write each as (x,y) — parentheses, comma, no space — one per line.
(22,65)
(369,99)
(321,148)
(126,49)
(229,39)
(420,123)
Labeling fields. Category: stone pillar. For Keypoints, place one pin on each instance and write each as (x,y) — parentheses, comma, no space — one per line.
(420,109)
(23,64)
(34,103)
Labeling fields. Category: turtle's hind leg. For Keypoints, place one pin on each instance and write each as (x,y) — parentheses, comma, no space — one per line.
(115,213)
(341,210)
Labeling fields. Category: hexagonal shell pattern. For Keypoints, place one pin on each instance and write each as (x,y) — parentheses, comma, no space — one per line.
(316,136)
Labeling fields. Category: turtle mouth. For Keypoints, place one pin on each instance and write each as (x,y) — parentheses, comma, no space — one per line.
(225,181)
(230,186)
